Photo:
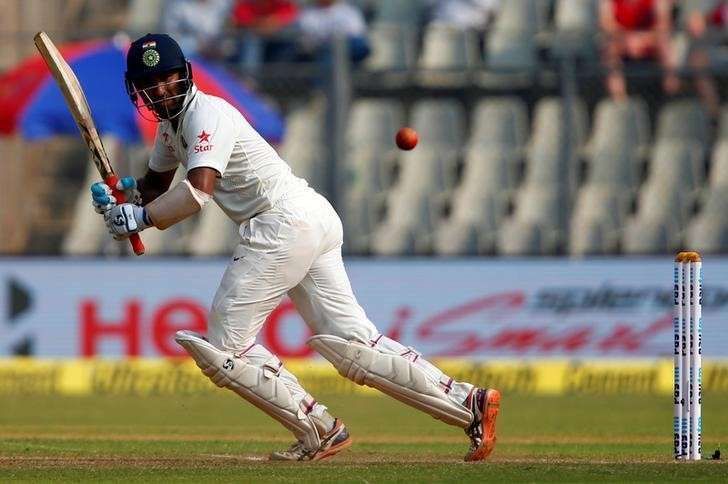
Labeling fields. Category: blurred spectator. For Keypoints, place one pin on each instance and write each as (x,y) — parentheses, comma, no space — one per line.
(264,23)
(637,30)
(197,25)
(264,17)
(328,19)
(706,22)
(465,14)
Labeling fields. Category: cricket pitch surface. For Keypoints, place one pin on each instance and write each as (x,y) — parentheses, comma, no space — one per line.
(218,437)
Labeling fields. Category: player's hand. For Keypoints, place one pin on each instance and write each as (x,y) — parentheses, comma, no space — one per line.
(126,219)
(103,200)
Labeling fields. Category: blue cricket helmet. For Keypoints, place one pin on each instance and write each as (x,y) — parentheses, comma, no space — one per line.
(154,54)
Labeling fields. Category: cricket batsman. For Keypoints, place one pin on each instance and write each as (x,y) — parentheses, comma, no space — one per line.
(290,243)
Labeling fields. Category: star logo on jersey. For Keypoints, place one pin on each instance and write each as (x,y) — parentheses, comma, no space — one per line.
(204,137)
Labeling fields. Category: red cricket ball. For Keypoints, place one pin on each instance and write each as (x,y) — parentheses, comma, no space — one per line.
(406,138)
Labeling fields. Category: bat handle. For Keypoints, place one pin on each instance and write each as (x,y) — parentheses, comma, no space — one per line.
(136,241)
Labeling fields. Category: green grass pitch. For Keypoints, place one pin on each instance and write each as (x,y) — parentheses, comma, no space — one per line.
(218,437)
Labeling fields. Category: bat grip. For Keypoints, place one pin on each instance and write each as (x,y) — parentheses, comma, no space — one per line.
(134,239)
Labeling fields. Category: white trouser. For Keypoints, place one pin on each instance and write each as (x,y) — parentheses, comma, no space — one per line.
(295,248)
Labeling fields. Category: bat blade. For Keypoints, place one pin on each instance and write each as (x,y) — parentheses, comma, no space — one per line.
(78,105)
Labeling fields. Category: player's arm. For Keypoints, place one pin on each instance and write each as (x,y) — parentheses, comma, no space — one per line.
(183,200)
(207,159)
(154,183)
(217,137)
(203,178)
(174,205)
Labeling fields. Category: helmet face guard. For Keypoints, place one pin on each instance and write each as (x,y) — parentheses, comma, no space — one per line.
(153,108)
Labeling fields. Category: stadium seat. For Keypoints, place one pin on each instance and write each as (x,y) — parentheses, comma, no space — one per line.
(511,46)
(405,228)
(425,175)
(402,12)
(487,170)
(549,159)
(578,16)
(473,224)
(723,127)
(719,165)
(550,167)
(684,120)
(677,163)
(665,201)
(599,213)
(667,197)
(708,233)
(303,147)
(521,15)
(373,122)
(478,204)
(577,26)
(440,123)
(542,203)
(392,240)
(454,237)
(548,123)
(618,169)
(305,123)
(366,170)
(448,48)
(425,171)
(715,203)
(538,223)
(620,125)
(501,122)
(393,47)
(590,237)
(357,209)
(659,201)
(511,51)
(649,237)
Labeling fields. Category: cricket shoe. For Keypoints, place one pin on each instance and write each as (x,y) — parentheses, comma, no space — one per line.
(485,405)
(333,442)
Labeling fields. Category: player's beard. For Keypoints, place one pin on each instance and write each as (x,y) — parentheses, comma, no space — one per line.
(167,107)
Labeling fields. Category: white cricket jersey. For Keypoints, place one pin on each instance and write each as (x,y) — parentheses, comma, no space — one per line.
(212,133)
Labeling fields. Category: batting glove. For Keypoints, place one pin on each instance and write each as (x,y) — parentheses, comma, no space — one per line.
(126,219)
(103,200)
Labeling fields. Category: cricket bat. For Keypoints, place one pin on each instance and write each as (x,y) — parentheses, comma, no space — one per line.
(78,105)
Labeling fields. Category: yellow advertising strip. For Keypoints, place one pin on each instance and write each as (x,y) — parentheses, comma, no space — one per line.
(146,377)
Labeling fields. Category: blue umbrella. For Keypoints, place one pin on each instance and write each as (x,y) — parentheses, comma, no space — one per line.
(31,103)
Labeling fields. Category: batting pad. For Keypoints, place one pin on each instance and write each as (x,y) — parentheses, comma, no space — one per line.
(392,374)
(254,375)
